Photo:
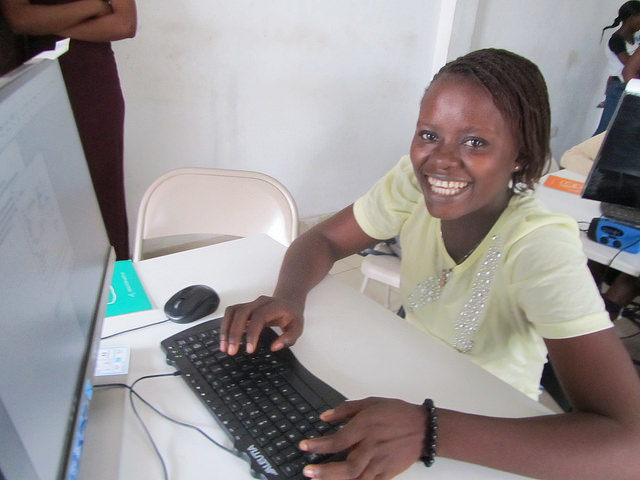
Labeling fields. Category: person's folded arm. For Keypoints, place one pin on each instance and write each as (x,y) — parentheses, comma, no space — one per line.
(632,67)
(27,19)
(119,24)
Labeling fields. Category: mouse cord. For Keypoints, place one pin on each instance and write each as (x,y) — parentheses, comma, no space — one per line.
(134,329)
(173,420)
(133,392)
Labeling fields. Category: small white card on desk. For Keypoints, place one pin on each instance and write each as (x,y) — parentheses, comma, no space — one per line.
(112,361)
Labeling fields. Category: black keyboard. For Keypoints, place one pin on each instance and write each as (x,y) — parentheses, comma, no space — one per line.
(266,401)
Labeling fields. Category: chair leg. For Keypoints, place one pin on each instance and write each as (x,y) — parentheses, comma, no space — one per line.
(363,287)
(387,300)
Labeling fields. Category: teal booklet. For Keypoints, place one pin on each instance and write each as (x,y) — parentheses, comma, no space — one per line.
(126,294)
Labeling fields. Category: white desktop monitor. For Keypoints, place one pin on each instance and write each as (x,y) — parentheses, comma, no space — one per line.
(55,264)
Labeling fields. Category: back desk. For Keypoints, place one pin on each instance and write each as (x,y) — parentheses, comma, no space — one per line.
(349,341)
(583,211)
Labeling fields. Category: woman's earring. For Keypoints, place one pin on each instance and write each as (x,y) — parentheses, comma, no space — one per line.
(516,168)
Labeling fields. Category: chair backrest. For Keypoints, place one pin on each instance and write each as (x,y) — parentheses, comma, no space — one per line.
(215,201)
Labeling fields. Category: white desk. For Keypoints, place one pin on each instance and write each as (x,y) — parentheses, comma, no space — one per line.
(344,334)
(584,210)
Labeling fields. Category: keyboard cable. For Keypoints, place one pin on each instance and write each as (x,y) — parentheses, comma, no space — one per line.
(134,329)
(133,393)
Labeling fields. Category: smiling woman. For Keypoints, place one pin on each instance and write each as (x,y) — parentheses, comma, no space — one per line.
(462,159)
(446,188)
(487,270)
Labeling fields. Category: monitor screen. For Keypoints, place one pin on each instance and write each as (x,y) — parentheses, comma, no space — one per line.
(615,175)
(56,263)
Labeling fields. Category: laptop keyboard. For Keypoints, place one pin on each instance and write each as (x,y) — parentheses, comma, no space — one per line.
(621,213)
(266,401)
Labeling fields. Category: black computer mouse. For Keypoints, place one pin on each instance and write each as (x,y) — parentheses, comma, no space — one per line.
(191,303)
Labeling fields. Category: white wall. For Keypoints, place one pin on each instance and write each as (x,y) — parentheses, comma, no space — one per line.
(323,94)
(562,37)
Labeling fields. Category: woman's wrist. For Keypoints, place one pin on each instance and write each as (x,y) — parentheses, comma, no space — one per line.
(292,294)
(431,433)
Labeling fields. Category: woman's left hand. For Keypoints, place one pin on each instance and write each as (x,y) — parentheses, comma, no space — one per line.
(383,436)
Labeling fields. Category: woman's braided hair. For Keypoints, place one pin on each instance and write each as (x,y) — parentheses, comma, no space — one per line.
(520,94)
(626,11)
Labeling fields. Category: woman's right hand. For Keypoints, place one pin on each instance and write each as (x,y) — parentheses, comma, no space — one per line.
(251,318)
(307,261)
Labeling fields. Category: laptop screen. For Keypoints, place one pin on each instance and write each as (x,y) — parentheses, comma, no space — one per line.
(615,175)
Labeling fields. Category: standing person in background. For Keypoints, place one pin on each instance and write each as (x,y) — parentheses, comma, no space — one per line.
(91,77)
(620,47)
(11,49)
(632,68)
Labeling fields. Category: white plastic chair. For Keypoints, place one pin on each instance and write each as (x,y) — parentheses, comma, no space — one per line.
(219,202)
(382,268)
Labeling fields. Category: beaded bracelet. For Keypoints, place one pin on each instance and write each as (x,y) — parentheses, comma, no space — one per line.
(431,434)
